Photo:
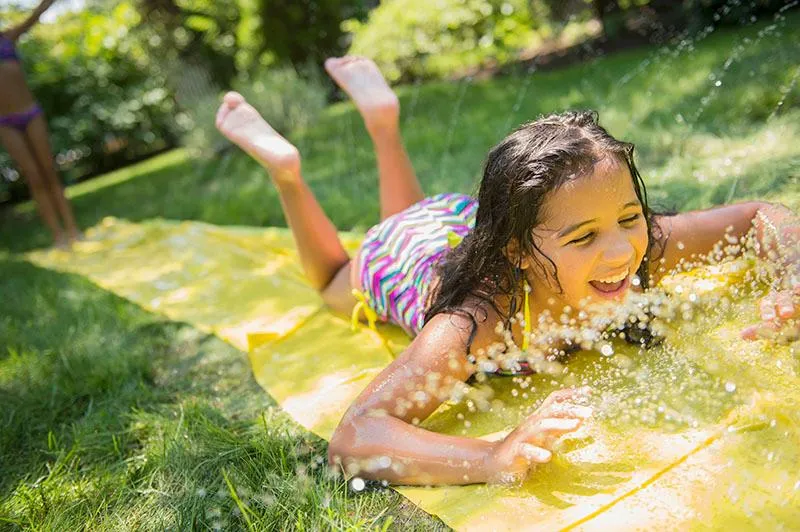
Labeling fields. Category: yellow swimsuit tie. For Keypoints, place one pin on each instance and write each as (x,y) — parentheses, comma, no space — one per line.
(370,314)
(526,329)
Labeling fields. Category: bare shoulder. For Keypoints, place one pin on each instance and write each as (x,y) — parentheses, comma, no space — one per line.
(484,317)
(692,235)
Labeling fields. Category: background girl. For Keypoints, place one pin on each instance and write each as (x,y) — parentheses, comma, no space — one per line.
(23,133)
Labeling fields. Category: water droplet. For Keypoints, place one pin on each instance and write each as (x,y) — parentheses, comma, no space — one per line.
(730,387)
(607,350)
(358,484)
(718,83)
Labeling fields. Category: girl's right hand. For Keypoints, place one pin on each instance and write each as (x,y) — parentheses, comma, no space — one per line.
(531,443)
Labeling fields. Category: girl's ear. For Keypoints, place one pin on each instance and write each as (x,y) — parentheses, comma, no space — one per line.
(515,255)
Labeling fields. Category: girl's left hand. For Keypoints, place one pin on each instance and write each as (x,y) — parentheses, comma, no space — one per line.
(776,309)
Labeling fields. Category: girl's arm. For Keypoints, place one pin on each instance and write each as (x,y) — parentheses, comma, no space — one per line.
(378,438)
(17,31)
(694,235)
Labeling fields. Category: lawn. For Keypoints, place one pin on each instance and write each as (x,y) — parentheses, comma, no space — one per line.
(114,418)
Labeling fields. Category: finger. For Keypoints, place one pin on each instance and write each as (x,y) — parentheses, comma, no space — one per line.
(767,330)
(233,98)
(536,424)
(767,308)
(567,394)
(534,454)
(558,425)
(568,410)
(749,333)
(785,305)
(543,432)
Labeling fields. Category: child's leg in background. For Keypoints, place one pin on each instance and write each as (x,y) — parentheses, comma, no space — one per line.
(322,255)
(380,109)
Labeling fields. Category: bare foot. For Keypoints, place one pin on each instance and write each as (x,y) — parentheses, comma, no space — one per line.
(244,126)
(75,235)
(62,243)
(360,78)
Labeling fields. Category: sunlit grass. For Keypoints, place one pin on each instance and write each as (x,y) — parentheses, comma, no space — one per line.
(115,419)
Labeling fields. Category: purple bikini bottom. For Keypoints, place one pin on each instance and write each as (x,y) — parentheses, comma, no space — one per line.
(21,120)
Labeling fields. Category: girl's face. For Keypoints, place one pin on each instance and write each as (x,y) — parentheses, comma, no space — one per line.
(595,233)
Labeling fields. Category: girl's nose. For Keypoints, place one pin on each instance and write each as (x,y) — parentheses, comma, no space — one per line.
(618,253)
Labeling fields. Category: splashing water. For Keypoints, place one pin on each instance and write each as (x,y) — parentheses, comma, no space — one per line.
(713,413)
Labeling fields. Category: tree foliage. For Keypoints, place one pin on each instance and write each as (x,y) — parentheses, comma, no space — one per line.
(435,38)
(299,32)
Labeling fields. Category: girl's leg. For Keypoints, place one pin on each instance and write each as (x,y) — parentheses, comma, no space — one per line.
(379,107)
(321,253)
(19,150)
(38,140)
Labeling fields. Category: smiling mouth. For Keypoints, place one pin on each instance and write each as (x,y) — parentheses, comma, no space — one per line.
(613,285)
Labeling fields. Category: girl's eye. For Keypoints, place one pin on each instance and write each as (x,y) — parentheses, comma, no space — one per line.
(581,240)
(630,219)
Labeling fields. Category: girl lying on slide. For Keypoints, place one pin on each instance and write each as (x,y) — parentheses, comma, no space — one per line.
(560,224)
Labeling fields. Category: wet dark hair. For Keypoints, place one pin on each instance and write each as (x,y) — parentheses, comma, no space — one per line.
(519,174)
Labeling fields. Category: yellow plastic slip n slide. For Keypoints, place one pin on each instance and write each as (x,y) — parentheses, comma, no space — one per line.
(701,432)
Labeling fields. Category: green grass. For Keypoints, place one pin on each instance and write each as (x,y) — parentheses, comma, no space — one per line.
(115,419)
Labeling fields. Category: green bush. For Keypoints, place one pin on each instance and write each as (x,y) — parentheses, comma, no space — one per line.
(298,32)
(437,38)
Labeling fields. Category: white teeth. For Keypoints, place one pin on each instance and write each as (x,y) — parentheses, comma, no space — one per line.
(616,278)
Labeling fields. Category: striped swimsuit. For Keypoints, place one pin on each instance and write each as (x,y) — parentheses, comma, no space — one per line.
(399,255)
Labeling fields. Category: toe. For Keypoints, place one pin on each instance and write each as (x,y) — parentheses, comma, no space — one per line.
(222,112)
(233,98)
(332,63)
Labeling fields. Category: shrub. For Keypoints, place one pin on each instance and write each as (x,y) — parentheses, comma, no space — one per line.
(437,38)
(297,32)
